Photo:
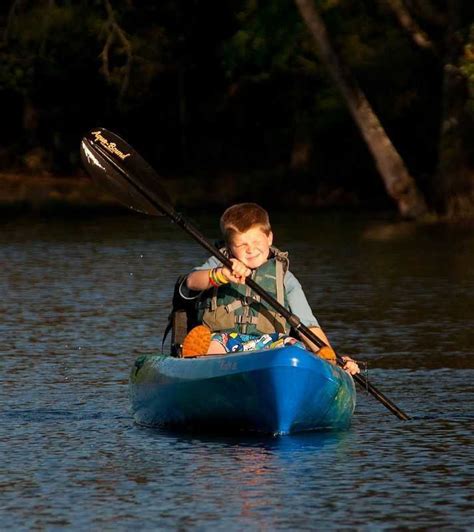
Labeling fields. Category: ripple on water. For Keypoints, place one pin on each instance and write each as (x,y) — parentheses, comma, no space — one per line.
(73,319)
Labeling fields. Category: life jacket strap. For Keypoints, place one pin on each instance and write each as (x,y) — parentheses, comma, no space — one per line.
(280,287)
(214,300)
(242,319)
(231,307)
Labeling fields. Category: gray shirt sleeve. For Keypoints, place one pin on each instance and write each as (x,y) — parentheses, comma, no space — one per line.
(210,263)
(297,300)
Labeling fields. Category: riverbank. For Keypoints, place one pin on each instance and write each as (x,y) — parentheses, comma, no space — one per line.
(21,193)
(42,194)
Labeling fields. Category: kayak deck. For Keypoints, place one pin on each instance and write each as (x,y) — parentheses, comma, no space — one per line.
(275,391)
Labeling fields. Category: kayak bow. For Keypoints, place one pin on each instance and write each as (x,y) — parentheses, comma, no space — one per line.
(275,391)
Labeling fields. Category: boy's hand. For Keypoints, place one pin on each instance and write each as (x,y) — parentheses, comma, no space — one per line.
(350,365)
(239,272)
(329,354)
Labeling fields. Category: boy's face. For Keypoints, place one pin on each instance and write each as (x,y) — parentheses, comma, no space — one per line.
(251,247)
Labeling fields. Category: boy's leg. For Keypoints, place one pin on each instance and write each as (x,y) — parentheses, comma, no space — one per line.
(216,348)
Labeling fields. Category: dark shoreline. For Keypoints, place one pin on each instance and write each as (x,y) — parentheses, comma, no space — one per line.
(22,193)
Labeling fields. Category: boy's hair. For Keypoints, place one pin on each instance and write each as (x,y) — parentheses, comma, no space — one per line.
(241,217)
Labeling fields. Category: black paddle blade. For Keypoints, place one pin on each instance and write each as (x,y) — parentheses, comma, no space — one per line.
(123,172)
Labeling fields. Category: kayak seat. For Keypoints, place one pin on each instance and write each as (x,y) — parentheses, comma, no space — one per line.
(182,318)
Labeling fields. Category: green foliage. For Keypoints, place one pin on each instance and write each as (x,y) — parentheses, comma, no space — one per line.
(52,58)
(59,39)
(44,41)
(273,51)
(234,85)
(267,40)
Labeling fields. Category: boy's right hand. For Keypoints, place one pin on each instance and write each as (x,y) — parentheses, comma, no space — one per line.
(238,273)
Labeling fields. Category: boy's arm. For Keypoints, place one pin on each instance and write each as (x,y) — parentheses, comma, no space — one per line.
(200,276)
(300,306)
(198,280)
(324,352)
(299,303)
(328,353)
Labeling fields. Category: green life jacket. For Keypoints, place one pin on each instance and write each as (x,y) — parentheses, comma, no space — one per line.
(235,307)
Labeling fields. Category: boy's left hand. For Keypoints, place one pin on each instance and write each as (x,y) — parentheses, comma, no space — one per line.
(350,365)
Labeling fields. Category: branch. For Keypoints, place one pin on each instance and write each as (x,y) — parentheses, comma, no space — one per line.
(114,31)
(407,22)
(105,55)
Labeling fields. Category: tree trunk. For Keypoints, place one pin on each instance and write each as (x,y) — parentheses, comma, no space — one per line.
(30,121)
(398,182)
(454,182)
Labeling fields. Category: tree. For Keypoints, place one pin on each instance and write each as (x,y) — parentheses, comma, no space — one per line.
(398,182)
(454,183)
(73,64)
(452,43)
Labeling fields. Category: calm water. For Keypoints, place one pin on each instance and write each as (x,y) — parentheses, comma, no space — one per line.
(80,299)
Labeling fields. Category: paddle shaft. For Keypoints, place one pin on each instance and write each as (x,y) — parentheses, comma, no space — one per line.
(292,319)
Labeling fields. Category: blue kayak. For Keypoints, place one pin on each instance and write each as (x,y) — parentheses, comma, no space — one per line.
(274,391)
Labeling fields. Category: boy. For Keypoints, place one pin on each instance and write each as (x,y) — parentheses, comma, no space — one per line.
(237,319)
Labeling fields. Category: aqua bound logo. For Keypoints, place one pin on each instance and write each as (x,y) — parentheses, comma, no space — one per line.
(109,146)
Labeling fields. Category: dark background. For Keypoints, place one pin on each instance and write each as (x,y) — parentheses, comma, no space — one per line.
(231,94)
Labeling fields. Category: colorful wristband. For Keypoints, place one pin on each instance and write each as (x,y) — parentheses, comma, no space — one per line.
(217,278)
(212,279)
(220,276)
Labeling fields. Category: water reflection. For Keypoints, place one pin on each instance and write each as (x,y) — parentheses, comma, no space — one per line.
(301,442)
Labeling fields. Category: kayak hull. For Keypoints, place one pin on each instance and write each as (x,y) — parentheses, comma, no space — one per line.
(274,391)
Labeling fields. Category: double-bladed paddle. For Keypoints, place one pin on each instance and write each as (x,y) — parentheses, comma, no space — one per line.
(126,175)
